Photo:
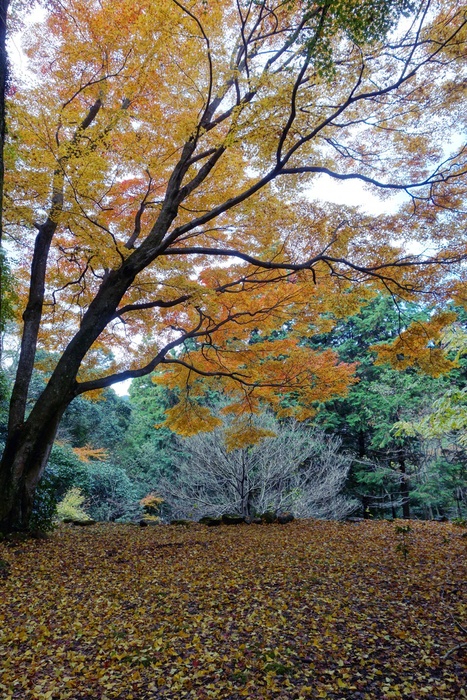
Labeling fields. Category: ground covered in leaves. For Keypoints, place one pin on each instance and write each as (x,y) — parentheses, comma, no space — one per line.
(306,610)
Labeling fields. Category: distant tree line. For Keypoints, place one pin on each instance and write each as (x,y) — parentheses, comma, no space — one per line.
(351,457)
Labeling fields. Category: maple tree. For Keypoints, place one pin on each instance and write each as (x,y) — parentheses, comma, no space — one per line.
(161,153)
(448,413)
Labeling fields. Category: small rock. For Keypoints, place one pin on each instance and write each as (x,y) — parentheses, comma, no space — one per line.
(210,522)
(284,518)
(39,535)
(13,538)
(232,519)
(269,517)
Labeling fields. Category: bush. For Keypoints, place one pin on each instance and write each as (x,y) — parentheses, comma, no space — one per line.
(66,471)
(63,471)
(299,470)
(70,506)
(152,504)
(109,492)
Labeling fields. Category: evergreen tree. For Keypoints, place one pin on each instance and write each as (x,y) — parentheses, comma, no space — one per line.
(387,469)
(146,450)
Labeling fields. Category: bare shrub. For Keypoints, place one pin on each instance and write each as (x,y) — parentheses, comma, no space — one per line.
(300,470)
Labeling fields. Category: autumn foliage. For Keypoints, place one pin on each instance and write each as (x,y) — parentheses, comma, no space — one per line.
(307,610)
(156,116)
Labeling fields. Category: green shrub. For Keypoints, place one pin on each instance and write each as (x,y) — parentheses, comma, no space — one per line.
(70,505)
(111,493)
(108,490)
(63,471)
(67,471)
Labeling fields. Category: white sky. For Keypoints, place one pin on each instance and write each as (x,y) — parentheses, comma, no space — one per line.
(353,193)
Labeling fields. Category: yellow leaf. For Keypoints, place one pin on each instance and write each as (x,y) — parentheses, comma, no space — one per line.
(243,434)
(188,418)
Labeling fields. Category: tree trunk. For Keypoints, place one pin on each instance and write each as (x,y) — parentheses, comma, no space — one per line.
(361,444)
(245,490)
(404,487)
(29,441)
(393,508)
(366,507)
(23,463)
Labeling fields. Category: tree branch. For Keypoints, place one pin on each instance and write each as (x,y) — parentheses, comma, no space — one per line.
(159,303)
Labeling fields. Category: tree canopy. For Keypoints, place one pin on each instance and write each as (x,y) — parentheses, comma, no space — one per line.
(158,164)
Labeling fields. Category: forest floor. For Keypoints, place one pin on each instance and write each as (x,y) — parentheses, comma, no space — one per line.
(307,610)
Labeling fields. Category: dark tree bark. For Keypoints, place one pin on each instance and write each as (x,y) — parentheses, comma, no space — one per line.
(361,444)
(404,487)
(366,507)
(24,460)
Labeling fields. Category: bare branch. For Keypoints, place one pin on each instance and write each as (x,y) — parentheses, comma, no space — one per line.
(159,303)
(299,470)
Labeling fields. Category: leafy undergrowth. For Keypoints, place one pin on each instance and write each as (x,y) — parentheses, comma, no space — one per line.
(307,610)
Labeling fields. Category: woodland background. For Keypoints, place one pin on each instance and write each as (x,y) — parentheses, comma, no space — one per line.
(397,436)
